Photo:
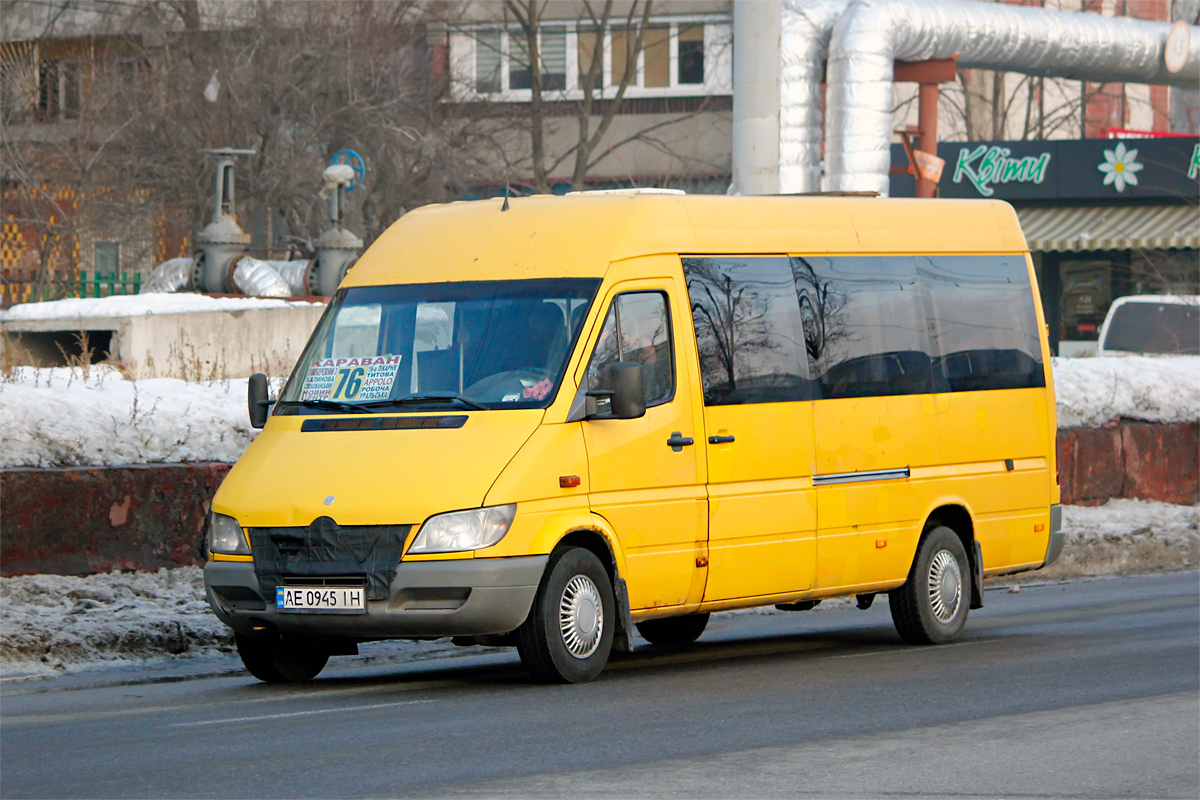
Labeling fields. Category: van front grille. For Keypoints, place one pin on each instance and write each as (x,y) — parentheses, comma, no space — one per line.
(347,555)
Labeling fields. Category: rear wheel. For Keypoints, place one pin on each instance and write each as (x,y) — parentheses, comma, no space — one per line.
(275,658)
(674,631)
(931,607)
(568,635)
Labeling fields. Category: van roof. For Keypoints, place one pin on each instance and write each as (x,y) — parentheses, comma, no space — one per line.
(580,235)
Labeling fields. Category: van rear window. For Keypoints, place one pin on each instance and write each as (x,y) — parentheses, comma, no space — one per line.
(1154,328)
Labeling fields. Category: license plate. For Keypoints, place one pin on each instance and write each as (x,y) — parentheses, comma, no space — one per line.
(327,599)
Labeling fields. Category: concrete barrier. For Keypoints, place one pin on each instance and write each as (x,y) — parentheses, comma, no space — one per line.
(196,345)
(76,521)
(86,520)
(1130,458)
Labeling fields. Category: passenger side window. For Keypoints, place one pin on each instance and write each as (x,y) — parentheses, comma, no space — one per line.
(749,330)
(865,325)
(983,323)
(637,329)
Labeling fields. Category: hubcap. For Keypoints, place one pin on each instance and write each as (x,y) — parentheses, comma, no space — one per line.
(581,616)
(945,586)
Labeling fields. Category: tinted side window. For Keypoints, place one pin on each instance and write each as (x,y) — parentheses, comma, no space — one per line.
(748,330)
(637,329)
(983,322)
(865,326)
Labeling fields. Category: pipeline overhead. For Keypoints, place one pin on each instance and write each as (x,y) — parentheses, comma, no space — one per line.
(807,27)
(870,35)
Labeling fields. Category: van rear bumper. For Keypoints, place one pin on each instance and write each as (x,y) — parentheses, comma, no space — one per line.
(1057,536)
(461,597)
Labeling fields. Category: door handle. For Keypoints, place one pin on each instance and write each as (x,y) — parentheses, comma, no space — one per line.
(678,441)
(720,439)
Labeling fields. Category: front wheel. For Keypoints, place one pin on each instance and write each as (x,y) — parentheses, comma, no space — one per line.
(673,631)
(273,658)
(568,635)
(931,607)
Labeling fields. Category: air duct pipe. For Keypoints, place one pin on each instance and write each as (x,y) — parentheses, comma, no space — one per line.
(873,34)
(337,248)
(807,27)
(756,78)
(222,240)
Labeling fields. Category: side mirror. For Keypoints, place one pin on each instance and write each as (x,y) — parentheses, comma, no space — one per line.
(626,398)
(257,400)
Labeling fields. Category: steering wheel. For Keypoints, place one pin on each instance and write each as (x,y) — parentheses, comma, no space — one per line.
(496,387)
(355,162)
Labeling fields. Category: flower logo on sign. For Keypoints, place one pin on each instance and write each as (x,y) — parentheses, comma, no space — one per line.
(1120,167)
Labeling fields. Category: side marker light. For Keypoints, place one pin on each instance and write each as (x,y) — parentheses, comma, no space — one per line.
(568,481)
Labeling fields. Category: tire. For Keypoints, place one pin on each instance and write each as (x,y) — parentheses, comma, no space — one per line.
(673,631)
(932,606)
(281,659)
(568,635)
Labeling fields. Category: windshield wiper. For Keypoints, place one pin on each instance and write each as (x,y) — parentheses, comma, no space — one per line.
(334,404)
(448,397)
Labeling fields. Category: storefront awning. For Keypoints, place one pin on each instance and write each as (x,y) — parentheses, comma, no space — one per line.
(1076,228)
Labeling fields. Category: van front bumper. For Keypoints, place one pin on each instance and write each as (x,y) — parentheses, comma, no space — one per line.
(426,599)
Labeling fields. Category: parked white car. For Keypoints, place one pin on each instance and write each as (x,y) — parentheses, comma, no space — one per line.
(1151,324)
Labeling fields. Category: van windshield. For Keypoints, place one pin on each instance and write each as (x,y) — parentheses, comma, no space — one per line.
(474,345)
(1151,327)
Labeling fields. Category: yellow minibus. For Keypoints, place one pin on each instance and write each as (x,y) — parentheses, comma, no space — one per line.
(546,422)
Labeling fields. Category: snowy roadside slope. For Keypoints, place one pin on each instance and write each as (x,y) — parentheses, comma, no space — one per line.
(57,624)
(1091,391)
(136,305)
(57,418)
(60,418)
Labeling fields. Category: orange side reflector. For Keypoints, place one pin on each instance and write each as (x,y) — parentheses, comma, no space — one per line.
(568,481)
(880,544)
(1039,527)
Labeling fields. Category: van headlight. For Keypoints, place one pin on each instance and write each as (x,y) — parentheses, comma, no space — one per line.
(464,530)
(225,536)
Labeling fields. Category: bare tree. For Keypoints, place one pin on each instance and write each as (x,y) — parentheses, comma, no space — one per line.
(296,82)
(589,108)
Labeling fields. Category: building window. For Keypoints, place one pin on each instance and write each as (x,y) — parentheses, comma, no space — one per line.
(106,257)
(677,58)
(691,54)
(14,101)
(552,49)
(60,90)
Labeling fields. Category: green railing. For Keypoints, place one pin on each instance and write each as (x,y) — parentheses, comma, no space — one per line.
(103,284)
(21,286)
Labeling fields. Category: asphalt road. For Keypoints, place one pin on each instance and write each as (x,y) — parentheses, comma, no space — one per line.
(1087,689)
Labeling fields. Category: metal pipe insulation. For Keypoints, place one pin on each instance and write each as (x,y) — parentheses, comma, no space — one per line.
(260,278)
(807,27)
(173,275)
(871,35)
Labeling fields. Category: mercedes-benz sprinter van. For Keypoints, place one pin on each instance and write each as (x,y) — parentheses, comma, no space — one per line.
(549,421)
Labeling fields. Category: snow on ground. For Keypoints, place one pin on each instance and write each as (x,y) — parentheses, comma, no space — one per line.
(136,305)
(58,417)
(66,416)
(55,624)
(1091,391)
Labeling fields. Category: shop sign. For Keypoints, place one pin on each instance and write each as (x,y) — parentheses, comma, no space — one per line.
(1071,170)
(1120,167)
(985,165)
